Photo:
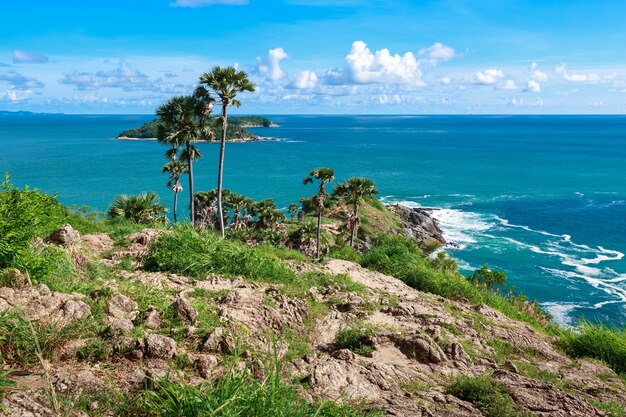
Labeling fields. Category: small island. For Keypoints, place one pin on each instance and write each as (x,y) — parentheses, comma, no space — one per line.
(237,130)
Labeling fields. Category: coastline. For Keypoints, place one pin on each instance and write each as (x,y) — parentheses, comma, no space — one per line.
(239,140)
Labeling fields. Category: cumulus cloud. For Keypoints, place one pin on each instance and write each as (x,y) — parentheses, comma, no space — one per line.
(18,81)
(536,74)
(305,80)
(436,53)
(509,85)
(204,3)
(21,57)
(576,77)
(489,76)
(445,80)
(270,66)
(124,77)
(380,67)
(533,86)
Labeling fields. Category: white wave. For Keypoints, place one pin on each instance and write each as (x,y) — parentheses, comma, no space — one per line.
(560,312)
(461,227)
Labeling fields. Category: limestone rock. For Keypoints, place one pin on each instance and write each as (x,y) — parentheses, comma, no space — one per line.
(184,310)
(152,319)
(205,364)
(65,236)
(98,242)
(122,307)
(119,327)
(159,347)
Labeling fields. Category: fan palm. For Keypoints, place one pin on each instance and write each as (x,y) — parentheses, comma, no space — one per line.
(324,176)
(352,191)
(184,120)
(175,168)
(226,83)
(142,208)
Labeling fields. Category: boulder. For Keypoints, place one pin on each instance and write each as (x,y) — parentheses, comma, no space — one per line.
(122,307)
(121,327)
(184,310)
(152,318)
(159,347)
(65,236)
(205,364)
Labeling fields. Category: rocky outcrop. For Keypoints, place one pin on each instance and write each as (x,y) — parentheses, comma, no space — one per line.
(419,224)
(66,236)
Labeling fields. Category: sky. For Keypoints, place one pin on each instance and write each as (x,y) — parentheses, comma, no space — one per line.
(318,56)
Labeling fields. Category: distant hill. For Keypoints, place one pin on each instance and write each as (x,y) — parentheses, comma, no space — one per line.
(237,128)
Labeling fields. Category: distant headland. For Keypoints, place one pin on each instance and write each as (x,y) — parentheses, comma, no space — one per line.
(237,130)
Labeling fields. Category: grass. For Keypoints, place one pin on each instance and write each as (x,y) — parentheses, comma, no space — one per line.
(356,338)
(488,395)
(611,408)
(597,341)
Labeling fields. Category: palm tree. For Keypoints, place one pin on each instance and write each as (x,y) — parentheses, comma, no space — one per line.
(183,120)
(226,83)
(352,191)
(175,168)
(293,210)
(324,176)
(142,208)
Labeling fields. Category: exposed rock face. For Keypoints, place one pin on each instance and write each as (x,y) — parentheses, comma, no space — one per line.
(39,303)
(159,347)
(65,236)
(98,243)
(122,307)
(183,309)
(419,224)
(152,319)
(120,327)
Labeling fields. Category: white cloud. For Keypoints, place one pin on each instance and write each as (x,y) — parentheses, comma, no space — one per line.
(204,3)
(578,77)
(488,77)
(380,67)
(270,66)
(445,80)
(124,76)
(533,86)
(536,74)
(21,57)
(509,85)
(18,81)
(305,80)
(436,53)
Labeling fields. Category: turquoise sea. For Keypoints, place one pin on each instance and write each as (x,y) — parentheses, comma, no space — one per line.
(540,197)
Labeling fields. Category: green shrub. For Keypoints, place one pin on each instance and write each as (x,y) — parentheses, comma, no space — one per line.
(199,253)
(24,215)
(357,339)
(143,208)
(488,277)
(599,342)
(488,395)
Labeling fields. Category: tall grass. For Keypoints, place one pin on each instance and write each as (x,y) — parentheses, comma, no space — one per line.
(599,342)
(488,395)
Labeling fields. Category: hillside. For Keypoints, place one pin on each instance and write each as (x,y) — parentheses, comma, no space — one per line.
(237,128)
(113,318)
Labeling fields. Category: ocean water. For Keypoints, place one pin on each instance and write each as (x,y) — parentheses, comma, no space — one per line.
(541,197)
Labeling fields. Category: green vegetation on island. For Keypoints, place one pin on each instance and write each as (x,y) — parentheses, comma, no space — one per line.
(237,128)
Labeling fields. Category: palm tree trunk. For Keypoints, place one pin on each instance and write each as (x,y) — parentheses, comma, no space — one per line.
(354,223)
(192,206)
(221,168)
(175,205)
(319,229)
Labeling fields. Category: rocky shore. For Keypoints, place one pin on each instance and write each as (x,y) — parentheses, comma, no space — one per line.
(419,224)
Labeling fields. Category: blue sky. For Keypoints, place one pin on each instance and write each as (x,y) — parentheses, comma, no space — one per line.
(318,56)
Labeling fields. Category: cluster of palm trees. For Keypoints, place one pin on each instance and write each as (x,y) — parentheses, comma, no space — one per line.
(352,191)
(183,120)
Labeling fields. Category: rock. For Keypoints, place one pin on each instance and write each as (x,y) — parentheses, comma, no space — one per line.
(456,353)
(420,347)
(122,307)
(213,342)
(66,236)
(145,236)
(184,310)
(123,344)
(13,278)
(205,365)
(98,242)
(39,303)
(121,327)
(152,319)
(25,405)
(419,224)
(159,347)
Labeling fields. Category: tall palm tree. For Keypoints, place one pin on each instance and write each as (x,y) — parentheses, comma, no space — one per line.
(175,168)
(324,176)
(184,120)
(352,191)
(225,83)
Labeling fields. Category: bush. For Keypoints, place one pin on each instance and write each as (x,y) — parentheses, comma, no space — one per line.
(24,215)
(143,208)
(598,342)
(488,277)
(199,253)
(357,339)
(488,395)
